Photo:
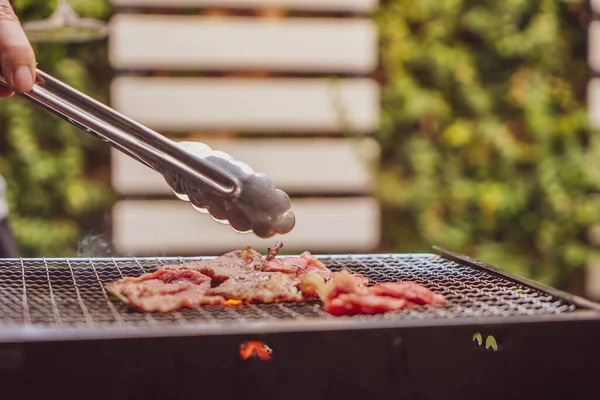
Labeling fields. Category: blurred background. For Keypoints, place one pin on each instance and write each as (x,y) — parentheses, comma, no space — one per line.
(394,125)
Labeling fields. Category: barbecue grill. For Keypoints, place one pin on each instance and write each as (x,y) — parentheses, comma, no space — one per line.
(498,336)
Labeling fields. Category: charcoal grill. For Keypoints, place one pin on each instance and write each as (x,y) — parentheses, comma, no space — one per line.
(498,336)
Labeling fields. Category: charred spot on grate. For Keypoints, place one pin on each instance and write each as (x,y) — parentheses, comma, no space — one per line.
(70,292)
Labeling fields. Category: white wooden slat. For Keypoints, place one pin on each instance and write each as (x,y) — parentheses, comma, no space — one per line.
(592,281)
(311,5)
(175,42)
(296,165)
(265,105)
(594,102)
(173,227)
(594,45)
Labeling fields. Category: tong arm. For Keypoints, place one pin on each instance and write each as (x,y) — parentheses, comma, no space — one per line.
(129,136)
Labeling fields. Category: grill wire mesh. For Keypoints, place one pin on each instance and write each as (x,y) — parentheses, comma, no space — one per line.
(70,292)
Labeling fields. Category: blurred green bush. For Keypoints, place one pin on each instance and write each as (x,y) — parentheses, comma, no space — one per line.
(486,143)
(57,176)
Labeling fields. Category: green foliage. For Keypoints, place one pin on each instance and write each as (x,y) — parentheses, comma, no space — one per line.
(486,143)
(56,174)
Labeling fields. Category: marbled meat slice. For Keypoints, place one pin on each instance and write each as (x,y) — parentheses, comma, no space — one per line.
(411,291)
(165,290)
(342,295)
(355,303)
(305,263)
(232,264)
(260,287)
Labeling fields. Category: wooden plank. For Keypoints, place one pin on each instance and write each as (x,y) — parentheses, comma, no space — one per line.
(243,104)
(156,228)
(304,5)
(592,281)
(594,45)
(309,166)
(175,42)
(594,102)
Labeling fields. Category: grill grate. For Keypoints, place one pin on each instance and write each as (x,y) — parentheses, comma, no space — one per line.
(70,292)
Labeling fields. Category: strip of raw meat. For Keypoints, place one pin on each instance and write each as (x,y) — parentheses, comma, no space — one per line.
(165,290)
(260,287)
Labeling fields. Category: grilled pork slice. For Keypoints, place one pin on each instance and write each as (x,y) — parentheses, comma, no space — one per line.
(165,290)
(241,275)
(344,296)
(260,287)
(411,291)
(355,303)
(232,264)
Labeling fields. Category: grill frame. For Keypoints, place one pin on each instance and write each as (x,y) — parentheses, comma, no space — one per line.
(586,310)
(358,359)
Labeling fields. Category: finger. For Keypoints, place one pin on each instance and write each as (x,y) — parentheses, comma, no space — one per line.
(16,55)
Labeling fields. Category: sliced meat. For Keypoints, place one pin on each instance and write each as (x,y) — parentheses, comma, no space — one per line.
(345,295)
(260,287)
(287,265)
(316,266)
(272,252)
(247,276)
(234,263)
(410,291)
(165,290)
(355,303)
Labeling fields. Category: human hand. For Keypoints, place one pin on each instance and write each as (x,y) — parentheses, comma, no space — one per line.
(17,60)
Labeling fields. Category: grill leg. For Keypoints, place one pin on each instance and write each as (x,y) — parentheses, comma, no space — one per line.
(8,244)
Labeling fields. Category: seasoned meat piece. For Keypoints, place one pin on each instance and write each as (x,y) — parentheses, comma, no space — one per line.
(344,295)
(234,263)
(287,265)
(272,252)
(247,276)
(410,291)
(263,287)
(165,290)
(316,266)
(355,303)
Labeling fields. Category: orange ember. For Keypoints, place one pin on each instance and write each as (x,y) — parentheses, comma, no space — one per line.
(255,349)
(233,302)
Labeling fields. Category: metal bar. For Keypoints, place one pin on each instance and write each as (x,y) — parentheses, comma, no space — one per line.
(12,334)
(196,258)
(55,311)
(477,302)
(101,121)
(120,321)
(176,314)
(26,315)
(148,316)
(464,286)
(86,314)
(465,260)
(295,315)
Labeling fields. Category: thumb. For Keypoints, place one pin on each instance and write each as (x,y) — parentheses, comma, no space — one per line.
(17,59)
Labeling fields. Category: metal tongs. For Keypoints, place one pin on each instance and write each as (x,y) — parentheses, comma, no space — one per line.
(228,190)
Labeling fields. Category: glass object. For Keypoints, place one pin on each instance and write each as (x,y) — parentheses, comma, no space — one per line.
(64,25)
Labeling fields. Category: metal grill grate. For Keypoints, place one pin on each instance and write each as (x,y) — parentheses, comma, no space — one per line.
(70,292)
